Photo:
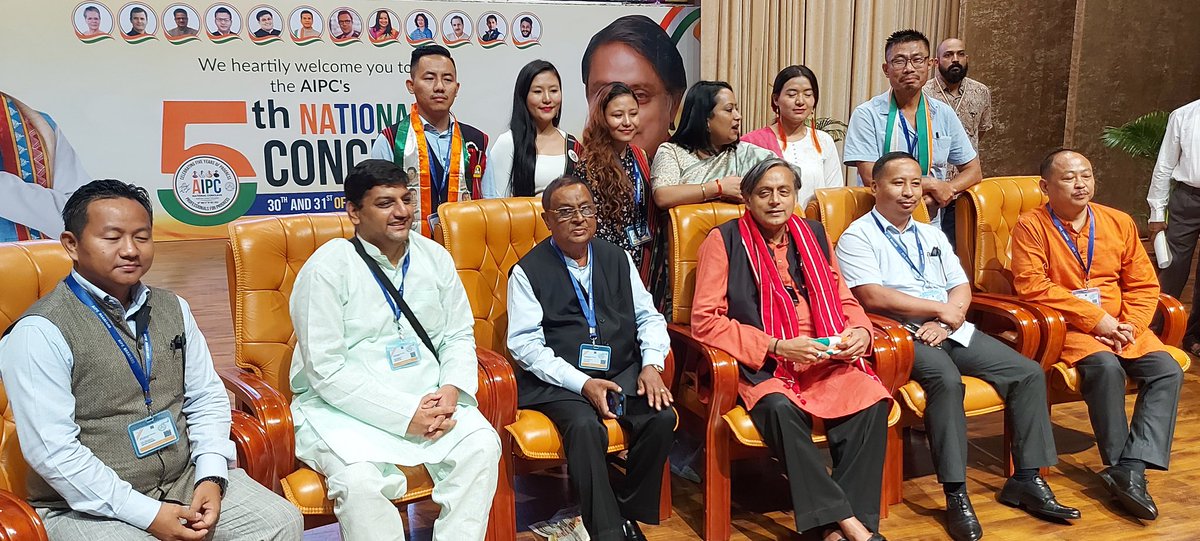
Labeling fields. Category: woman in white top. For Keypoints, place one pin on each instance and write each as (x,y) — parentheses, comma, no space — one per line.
(533,152)
(794,135)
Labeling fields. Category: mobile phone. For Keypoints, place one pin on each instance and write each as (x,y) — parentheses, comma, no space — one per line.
(616,403)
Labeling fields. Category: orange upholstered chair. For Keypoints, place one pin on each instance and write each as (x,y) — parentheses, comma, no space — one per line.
(707,391)
(1009,322)
(486,238)
(33,269)
(263,258)
(986,216)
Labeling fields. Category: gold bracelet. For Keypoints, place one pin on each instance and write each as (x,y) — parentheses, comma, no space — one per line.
(703,192)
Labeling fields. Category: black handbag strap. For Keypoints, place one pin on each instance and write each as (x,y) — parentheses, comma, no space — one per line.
(391,289)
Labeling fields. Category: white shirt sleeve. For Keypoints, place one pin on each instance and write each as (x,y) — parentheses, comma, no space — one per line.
(36,364)
(205,404)
(527,342)
(1168,159)
(833,163)
(497,178)
(651,325)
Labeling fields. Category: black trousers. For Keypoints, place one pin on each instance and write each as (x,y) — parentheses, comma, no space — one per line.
(1183,206)
(585,440)
(1148,436)
(857,444)
(1019,382)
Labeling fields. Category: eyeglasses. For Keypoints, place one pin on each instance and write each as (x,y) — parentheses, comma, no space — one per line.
(566,213)
(899,62)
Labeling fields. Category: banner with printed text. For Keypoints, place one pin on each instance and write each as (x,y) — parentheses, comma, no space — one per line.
(240,109)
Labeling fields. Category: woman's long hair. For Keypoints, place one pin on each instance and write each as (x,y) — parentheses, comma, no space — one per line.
(524,129)
(604,170)
(698,107)
(386,30)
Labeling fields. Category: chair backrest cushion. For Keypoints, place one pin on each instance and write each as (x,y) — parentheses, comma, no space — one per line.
(486,238)
(690,225)
(263,259)
(837,208)
(31,270)
(987,214)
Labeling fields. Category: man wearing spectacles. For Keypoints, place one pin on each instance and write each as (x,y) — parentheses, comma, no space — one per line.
(592,347)
(903,119)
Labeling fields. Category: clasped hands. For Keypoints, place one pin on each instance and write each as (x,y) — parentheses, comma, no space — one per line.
(803,350)
(935,331)
(1114,334)
(176,522)
(434,416)
(937,193)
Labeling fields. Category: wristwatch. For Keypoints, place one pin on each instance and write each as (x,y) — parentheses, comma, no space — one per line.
(221,483)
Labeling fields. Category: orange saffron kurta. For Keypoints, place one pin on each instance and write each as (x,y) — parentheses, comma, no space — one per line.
(1046,271)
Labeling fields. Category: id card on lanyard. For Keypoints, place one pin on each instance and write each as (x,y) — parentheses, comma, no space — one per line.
(918,271)
(402,352)
(158,430)
(638,233)
(592,356)
(1087,293)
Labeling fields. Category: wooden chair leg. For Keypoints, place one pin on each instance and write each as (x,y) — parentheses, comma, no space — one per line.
(717,500)
(664,501)
(502,519)
(893,470)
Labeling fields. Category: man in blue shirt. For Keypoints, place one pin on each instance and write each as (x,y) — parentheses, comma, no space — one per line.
(902,268)
(904,119)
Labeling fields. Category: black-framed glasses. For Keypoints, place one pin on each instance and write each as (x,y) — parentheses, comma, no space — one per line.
(899,62)
(566,213)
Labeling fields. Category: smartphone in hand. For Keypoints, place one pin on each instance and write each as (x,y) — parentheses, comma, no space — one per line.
(616,403)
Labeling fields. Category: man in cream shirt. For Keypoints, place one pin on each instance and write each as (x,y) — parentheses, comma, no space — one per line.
(374,387)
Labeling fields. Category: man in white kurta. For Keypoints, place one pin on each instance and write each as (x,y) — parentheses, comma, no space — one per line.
(360,407)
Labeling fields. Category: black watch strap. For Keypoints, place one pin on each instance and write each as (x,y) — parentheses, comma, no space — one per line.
(221,483)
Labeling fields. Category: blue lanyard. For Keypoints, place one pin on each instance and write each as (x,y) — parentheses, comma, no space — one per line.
(911,142)
(143,377)
(437,143)
(920,271)
(403,278)
(1087,267)
(637,183)
(588,304)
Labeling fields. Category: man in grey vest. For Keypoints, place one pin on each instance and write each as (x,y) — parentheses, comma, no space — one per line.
(118,408)
(585,330)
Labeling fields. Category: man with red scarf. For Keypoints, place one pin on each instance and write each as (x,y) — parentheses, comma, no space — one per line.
(906,269)
(766,289)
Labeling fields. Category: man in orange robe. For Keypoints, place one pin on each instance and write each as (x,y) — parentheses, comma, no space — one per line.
(1086,261)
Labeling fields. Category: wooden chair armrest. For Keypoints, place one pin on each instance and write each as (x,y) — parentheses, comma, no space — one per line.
(18,520)
(1052,328)
(1008,321)
(254,451)
(893,352)
(1174,320)
(497,389)
(713,372)
(255,396)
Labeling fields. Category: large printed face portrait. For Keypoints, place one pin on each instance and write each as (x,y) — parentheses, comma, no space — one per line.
(222,20)
(420,26)
(457,27)
(92,20)
(491,27)
(528,29)
(137,20)
(305,23)
(180,21)
(264,23)
(383,26)
(344,25)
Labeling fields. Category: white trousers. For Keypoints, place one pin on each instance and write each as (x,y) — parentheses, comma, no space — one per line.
(463,485)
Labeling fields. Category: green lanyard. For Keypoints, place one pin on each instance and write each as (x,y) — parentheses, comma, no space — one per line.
(922,148)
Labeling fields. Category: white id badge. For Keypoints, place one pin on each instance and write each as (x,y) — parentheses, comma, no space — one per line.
(938,295)
(153,433)
(403,353)
(594,357)
(637,234)
(1091,294)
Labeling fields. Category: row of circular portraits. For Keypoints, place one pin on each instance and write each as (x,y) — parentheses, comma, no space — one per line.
(136,22)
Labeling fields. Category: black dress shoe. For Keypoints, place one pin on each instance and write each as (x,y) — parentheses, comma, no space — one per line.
(1035,497)
(632,532)
(1129,487)
(877,537)
(961,521)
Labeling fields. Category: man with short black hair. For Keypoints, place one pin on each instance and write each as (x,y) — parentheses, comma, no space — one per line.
(526,27)
(224,21)
(137,22)
(970,99)
(904,119)
(181,25)
(584,329)
(449,155)
(121,416)
(385,370)
(266,24)
(345,23)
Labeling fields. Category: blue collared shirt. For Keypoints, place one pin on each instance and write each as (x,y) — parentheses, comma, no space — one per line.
(438,143)
(36,364)
(866,256)
(868,128)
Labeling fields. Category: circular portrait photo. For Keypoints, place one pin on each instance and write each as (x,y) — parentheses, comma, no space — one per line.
(384,27)
(181,21)
(345,25)
(419,26)
(93,22)
(528,30)
(137,22)
(264,24)
(457,28)
(223,22)
(306,25)
(492,28)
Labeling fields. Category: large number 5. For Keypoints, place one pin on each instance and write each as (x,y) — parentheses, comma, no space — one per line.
(177,115)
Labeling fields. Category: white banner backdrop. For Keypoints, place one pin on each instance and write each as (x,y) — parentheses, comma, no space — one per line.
(241,109)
